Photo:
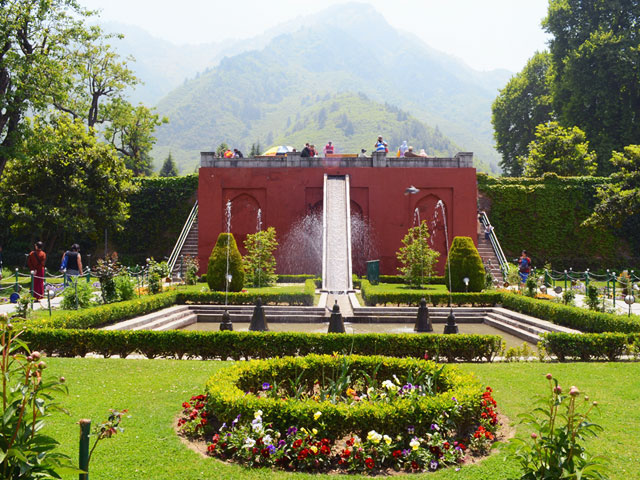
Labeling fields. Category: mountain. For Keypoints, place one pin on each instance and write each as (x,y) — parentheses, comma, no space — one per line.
(256,95)
(351,121)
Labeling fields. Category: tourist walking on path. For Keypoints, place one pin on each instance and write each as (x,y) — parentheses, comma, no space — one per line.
(328,149)
(381,145)
(36,261)
(73,263)
(524,263)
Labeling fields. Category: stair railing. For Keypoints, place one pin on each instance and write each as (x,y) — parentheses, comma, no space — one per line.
(495,244)
(173,258)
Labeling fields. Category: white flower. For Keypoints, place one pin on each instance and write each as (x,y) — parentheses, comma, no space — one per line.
(317,415)
(249,442)
(257,414)
(267,440)
(374,436)
(389,385)
(387,439)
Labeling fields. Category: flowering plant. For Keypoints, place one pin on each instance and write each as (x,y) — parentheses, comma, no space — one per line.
(554,449)
(194,415)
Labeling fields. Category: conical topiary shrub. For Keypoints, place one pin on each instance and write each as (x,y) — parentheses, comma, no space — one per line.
(217,268)
(464,261)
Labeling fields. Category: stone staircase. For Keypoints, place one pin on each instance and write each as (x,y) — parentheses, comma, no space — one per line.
(489,258)
(190,247)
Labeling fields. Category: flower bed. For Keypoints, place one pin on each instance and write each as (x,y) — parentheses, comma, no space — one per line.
(318,413)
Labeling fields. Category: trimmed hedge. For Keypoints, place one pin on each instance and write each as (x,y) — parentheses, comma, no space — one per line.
(464,262)
(101,315)
(244,345)
(572,317)
(589,346)
(375,295)
(225,258)
(227,398)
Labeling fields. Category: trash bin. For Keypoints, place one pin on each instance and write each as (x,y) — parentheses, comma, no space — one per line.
(373,271)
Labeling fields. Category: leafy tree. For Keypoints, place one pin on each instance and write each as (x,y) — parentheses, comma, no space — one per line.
(169,168)
(35,39)
(98,80)
(415,255)
(521,105)
(259,262)
(256,150)
(596,80)
(464,261)
(223,147)
(65,183)
(131,133)
(217,268)
(620,199)
(564,151)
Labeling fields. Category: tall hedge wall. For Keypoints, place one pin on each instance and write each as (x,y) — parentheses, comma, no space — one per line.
(158,212)
(544,217)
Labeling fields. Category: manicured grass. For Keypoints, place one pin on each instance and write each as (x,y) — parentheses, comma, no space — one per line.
(400,287)
(153,391)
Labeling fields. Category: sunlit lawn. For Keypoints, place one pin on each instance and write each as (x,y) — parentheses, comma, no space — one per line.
(153,391)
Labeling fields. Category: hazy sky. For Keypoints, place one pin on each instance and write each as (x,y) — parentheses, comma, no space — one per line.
(485,34)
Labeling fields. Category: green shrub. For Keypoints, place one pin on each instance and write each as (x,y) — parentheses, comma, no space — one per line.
(592,299)
(125,287)
(227,398)
(192,265)
(84,292)
(572,317)
(223,345)
(294,278)
(587,346)
(464,261)
(217,269)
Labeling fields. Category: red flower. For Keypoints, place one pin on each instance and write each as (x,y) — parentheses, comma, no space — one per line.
(346,452)
(350,442)
(414,465)
(255,450)
(369,463)
(397,453)
(186,405)
(446,445)
(297,444)
(462,446)
(211,447)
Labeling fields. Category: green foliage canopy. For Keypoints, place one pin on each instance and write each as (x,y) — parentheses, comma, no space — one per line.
(596,80)
(65,183)
(619,199)
(521,105)
(564,151)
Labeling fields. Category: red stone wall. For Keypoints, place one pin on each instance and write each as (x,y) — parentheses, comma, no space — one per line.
(285,195)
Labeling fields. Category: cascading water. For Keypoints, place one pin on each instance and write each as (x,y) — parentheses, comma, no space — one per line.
(446,236)
(226,277)
(259,221)
(259,229)
(416,217)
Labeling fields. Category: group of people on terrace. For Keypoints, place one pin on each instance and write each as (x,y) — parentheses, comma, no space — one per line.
(380,146)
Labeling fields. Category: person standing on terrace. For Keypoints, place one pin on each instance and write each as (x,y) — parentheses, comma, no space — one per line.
(328,149)
(381,145)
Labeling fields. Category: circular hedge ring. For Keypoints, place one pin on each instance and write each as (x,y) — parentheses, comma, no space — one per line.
(237,391)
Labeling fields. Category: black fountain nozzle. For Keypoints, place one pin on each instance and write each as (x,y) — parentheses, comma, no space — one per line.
(423,322)
(451,326)
(226,322)
(258,320)
(336,324)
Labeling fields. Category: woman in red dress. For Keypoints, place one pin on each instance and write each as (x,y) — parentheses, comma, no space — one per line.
(36,262)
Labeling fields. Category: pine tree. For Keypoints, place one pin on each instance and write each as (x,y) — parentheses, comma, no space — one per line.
(169,168)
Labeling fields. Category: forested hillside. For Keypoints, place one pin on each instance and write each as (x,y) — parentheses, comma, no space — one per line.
(263,95)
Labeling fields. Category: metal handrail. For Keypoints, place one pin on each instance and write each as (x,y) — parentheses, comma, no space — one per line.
(497,249)
(173,258)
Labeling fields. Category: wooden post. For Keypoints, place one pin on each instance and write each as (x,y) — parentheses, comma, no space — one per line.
(85,430)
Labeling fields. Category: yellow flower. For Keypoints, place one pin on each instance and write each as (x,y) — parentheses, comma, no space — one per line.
(304,430)
(317,415)
(314,449)
(387,439)
(315,431)
(351,392)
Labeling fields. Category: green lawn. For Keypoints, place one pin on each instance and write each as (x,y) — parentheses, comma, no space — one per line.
(153,390)
(401,287)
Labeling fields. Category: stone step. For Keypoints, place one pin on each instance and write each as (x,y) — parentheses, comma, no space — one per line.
(138,321)
(518,332)
(278,318)
(543,324)
(160,322)
(516,323)
(178,323)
